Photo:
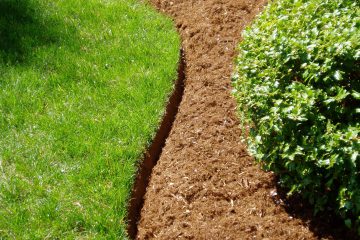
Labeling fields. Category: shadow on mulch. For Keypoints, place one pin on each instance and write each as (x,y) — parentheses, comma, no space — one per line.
(325,225)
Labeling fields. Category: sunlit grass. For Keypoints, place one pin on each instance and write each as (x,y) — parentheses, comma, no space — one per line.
(83,85)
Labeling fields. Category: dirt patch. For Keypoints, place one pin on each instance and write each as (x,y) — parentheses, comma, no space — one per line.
(205,185)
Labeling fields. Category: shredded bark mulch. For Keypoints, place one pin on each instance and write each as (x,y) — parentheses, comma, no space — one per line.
(205,185)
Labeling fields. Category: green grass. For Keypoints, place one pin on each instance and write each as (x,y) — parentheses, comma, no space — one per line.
(83,85)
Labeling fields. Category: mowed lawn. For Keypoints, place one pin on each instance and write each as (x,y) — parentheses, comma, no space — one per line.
(83,85)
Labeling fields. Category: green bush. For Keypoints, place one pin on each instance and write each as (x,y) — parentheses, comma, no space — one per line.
(298,88)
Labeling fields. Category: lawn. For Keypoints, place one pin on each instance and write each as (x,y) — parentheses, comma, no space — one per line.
(83,85)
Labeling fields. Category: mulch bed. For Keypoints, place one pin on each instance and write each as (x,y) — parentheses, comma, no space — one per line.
(205,185)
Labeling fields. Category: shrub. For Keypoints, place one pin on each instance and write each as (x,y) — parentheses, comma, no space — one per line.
(298,88)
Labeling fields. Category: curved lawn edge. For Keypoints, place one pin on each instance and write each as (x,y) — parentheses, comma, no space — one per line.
(153,152)
(80,100)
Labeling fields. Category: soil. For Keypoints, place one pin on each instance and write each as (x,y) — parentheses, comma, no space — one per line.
(205,185)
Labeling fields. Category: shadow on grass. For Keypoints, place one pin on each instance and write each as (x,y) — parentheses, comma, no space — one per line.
(23,28)
(324,225)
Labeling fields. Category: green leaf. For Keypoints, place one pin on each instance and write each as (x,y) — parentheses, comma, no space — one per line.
(355,94)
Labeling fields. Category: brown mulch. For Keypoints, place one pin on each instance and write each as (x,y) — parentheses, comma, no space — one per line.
(205,185)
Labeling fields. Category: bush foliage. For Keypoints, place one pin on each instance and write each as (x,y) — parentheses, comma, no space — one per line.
(298,88)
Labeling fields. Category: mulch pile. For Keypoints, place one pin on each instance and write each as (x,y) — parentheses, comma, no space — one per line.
(205,185)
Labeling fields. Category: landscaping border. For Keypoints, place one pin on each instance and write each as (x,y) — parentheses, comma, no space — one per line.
(153,152)
(205,185)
